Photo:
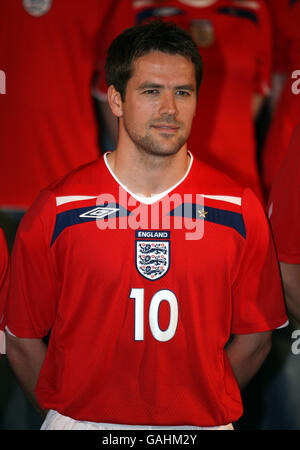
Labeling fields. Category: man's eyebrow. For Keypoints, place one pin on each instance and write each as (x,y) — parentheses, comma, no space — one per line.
(150,85)
(185,87)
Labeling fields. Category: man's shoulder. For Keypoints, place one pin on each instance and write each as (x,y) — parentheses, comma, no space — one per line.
(220,191)
(211,179)
(87,176)
(82,183)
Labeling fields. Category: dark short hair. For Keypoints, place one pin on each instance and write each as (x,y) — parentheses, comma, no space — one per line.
(140,40)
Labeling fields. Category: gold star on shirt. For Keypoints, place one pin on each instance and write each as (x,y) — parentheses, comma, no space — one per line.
(202,213)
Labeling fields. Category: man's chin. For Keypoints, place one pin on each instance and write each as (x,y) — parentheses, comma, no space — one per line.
(162,151)
(166,148)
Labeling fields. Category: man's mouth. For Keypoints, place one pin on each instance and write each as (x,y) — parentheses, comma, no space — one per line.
(166,128)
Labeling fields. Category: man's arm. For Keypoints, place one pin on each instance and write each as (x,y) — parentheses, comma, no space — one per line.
(290,274)
(26,357)
(246,353)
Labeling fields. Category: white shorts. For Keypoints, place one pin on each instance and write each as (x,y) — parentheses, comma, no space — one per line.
(56,421)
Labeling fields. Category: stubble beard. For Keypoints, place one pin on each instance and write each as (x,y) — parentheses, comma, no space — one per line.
(151,146)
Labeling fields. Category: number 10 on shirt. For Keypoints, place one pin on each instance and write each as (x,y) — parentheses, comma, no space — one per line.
(139,301)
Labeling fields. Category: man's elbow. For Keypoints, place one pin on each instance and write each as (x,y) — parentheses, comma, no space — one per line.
(262,346)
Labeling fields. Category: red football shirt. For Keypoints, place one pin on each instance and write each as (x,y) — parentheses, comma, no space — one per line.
(141,296)
(286,19)
(284,207)
(48,51)
(234,39)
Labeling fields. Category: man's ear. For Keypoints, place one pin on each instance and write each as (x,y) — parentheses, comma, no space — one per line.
(115,101)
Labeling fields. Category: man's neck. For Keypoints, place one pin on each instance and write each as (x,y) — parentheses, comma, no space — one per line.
(147,175)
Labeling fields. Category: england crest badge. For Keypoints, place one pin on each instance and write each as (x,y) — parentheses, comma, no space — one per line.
(152,253)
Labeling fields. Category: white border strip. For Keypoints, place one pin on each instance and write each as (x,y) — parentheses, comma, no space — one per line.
(284,325)
(225,198)
(73,198)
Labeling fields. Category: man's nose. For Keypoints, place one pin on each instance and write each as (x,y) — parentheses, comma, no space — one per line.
(168,104)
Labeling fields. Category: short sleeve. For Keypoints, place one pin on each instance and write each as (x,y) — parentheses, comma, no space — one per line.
(284,205)
(258,302)
(33,292)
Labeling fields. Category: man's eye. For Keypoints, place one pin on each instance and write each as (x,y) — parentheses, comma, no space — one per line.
(183,93)
(151,91)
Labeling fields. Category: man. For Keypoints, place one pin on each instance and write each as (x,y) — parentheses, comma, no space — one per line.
(140,281)
(234,40)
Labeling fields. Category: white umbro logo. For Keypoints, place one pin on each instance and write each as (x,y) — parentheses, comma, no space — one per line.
(100,212)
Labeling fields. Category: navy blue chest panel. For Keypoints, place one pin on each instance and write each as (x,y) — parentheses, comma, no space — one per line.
(215,215)
(78,216)
(87,214)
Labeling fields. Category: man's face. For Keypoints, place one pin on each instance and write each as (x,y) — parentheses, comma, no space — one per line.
(160,103)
